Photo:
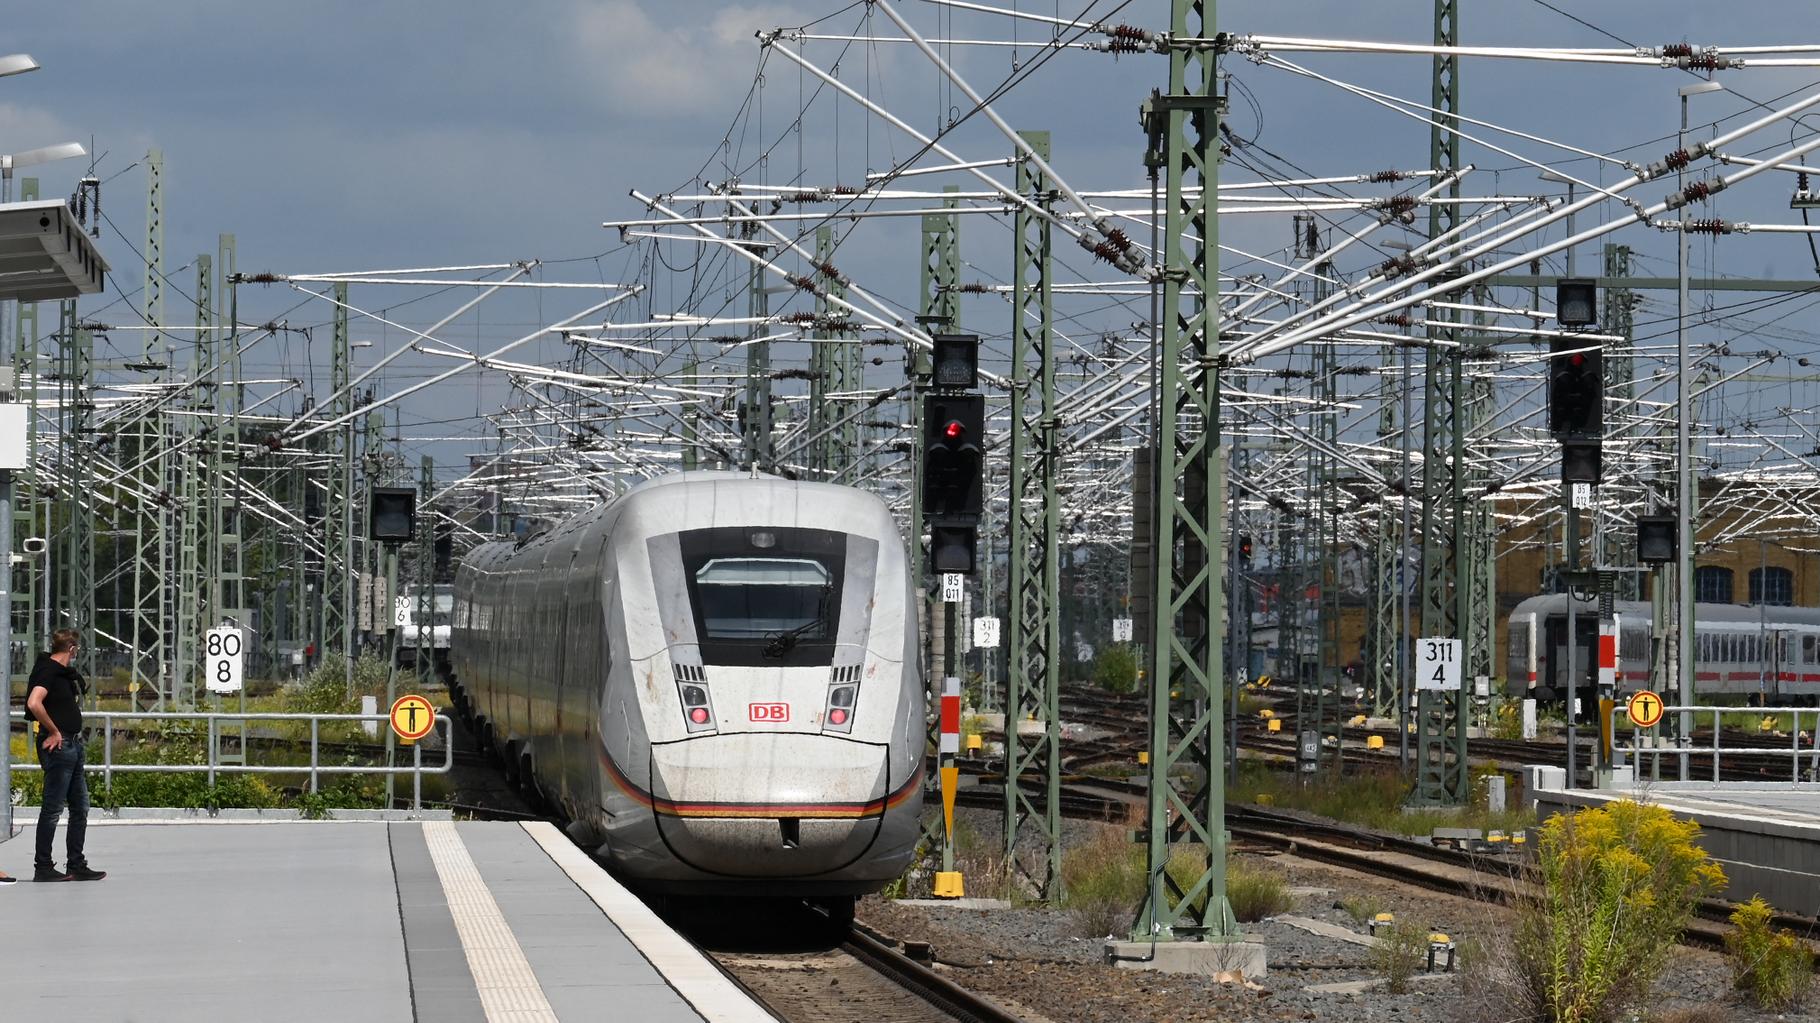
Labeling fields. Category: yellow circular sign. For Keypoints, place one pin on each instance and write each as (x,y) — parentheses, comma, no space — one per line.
(1644,708)
(413,717)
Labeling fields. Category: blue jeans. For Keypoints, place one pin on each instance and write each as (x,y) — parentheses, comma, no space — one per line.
(65,784)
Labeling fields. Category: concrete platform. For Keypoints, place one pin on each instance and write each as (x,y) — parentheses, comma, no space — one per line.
(349,921)
(1765,834)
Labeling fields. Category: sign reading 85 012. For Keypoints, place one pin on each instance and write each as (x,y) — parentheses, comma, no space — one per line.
(222,648)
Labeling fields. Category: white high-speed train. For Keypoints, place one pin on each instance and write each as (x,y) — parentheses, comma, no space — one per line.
(714,678)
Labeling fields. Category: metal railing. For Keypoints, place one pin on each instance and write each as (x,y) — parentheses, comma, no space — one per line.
(101,723)
(1659,747)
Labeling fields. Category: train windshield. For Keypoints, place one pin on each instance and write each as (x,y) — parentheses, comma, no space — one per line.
(764,598)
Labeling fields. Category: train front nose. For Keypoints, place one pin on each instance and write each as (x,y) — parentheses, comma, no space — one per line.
(770,805)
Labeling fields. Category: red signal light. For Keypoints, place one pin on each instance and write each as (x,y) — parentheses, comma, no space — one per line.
(837,716)
(954,429)
(1578,359)
(699,715)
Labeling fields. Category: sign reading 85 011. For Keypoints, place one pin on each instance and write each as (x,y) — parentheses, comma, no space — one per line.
(222,648)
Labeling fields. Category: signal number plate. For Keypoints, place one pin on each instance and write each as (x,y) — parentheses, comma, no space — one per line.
(768,712)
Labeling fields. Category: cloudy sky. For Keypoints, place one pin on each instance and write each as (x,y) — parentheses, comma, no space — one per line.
(344,135)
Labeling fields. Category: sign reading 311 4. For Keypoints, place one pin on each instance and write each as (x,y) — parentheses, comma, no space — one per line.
(1438,664)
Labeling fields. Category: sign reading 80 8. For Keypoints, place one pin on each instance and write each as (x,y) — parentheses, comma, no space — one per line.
(222,650)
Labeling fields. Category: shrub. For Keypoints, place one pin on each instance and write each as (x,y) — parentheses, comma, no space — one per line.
(325,690)
(1771,965)
(1362,908)
(1401,949)
(1507,721)
(1102,881)
(1618,884)
(1115,668)
(1255,892)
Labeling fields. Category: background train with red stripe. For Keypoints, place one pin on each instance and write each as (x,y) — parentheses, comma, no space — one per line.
(714,678)
(1768,654)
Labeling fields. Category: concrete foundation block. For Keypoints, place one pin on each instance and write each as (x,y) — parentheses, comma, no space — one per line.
(1206,958)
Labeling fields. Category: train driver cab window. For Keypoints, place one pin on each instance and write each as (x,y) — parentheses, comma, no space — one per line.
(756,598)
(765,597)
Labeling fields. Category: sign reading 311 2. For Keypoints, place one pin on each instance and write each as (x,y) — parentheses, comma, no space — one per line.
(221,647)
(1438,664)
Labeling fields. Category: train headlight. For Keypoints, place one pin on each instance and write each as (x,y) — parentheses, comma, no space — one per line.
(698,713)
(839,717)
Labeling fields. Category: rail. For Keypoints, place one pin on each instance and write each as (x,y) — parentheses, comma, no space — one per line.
(102,723)
(1657,748)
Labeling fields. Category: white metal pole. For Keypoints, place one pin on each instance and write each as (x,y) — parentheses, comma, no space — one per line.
(6,654)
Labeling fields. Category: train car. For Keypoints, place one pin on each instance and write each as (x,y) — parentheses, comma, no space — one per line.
(441,605)
(1772,653)
(714,678)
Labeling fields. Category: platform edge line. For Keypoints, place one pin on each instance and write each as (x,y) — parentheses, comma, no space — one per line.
(680,963)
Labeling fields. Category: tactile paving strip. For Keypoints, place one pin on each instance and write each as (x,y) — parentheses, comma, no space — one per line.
(509,991)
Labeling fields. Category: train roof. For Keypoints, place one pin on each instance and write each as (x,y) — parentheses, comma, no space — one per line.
(712,497)
(1743,615)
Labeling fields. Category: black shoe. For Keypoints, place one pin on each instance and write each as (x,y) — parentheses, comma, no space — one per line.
(8,879)
(85,873)
(49,874)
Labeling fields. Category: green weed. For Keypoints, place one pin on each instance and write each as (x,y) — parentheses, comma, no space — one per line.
(1618,884)
(1771,965)
(1401,950)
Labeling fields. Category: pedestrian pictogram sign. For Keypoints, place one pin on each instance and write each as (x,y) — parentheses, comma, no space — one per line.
(413,717)
(1644,708)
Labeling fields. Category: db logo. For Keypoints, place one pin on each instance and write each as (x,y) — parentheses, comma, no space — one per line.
(768,711)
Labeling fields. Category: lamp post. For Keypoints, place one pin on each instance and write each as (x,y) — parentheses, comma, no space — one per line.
(1684,477)
(12,457)
(10,162)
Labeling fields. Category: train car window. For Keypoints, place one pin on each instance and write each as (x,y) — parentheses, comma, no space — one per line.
(1633,644)
(1807,649)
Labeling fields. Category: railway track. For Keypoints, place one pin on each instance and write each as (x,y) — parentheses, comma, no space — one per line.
(791,960)
(1125,720)
(1502,878)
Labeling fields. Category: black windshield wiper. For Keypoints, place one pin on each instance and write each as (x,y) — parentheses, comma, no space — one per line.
(781,643)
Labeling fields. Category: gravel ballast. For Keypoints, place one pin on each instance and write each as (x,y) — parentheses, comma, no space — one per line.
(1038,961)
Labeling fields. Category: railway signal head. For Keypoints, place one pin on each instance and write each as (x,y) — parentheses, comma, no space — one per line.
(1576,302)
(1657,539)
(954,363)
(1581,461)
(953,548)
(392,514)
(1576,390)
(953,459)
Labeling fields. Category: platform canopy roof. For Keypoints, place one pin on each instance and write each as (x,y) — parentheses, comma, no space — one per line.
(45,255)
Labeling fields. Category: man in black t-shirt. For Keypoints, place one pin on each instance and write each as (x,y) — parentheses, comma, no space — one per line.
(54,698)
